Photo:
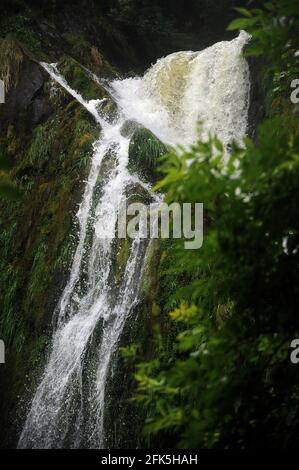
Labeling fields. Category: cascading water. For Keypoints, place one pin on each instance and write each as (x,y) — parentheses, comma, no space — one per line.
(211,86)
(185,88)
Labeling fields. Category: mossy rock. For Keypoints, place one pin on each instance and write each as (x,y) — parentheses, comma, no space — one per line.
(149,278)
(137,193)
(144,155)
(79,79)
(23,80)
(128,128)
(122,250)
(108,165)
(109,110)
(51,159)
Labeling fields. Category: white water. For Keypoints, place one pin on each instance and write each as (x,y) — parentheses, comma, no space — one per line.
(184,88)
(68,407)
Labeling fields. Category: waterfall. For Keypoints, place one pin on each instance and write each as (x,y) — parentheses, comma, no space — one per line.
(211,86)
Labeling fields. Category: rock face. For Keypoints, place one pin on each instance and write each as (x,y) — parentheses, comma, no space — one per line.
(24,79)
(144,155)
(48,136)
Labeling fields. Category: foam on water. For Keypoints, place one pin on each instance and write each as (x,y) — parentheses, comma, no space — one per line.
(211,86)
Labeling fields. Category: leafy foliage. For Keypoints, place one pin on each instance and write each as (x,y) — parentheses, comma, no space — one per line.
(275,36)
(144,153)
(230,382)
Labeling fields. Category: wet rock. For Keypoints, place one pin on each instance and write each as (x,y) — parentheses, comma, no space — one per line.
(79,79)
(144,155)
(129,127)
(24,79)
(135,193)
(109,110)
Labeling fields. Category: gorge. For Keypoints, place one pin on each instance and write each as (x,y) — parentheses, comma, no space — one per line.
(69,404)
(115,341)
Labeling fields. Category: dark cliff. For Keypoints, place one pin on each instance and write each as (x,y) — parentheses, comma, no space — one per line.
(48,138)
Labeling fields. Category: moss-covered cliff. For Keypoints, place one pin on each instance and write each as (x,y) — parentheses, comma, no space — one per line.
(48,137)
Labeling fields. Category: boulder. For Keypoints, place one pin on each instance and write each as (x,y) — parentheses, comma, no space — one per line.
(23,80)
(144,155)
(80,80)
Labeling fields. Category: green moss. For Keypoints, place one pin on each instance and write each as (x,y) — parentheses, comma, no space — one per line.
(109,110)
(123,252)
(37,236)
(79,80)
(149,278)
(50,165)
(144,154)
(147,331)
(11,330)
(137,193)
(40,150)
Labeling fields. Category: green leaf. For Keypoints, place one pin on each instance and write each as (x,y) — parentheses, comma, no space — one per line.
(244,12)
(240,23)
